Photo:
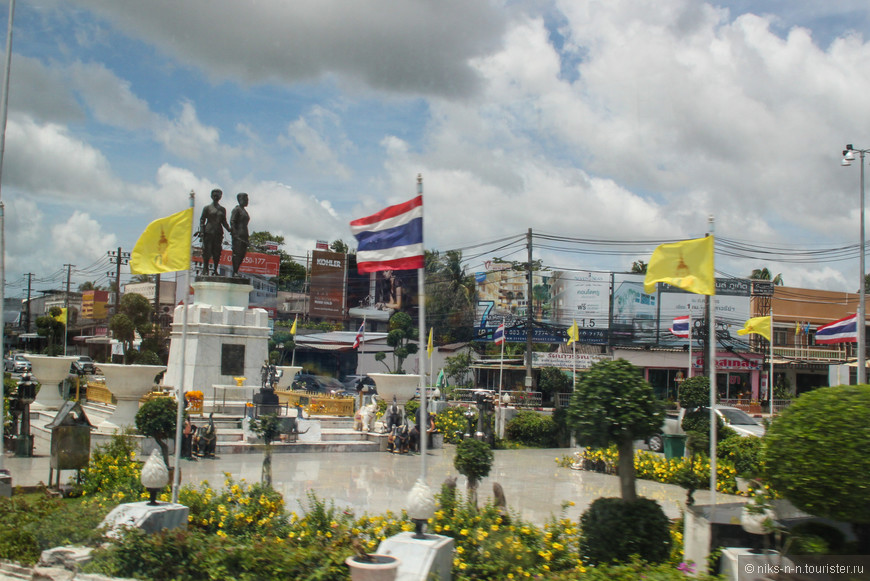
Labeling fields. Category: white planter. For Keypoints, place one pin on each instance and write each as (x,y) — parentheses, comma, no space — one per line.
(287,374)
(754,522)
(384,569)
(402,386)
(128,383)
(49,372)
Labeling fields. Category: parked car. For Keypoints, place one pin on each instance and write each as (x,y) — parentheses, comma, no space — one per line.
(317,384)
(736,419)
(17,364)
(355,383)
(84,365)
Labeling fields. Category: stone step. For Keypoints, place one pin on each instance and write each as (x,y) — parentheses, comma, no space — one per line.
(299,447)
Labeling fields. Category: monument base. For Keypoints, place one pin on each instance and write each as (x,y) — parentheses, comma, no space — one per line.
(420,558)
(150,518)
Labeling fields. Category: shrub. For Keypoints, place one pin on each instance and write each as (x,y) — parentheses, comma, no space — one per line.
(156,419)
(452,423)
(113,471)
(31,524)
(473,460)
(533,429)
(815,455)
(614,530)
(744,453)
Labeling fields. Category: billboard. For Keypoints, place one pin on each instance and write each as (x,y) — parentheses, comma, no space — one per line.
(94,304)
(328,273)
(254,262)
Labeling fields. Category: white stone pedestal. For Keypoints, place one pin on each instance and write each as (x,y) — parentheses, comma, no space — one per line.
(219,322)
(49,372)
(150,518)
(420,558)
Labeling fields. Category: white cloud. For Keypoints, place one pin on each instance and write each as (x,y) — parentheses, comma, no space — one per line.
(109,97)
(319,142)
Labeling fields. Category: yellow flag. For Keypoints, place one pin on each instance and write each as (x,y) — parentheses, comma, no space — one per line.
(164,246)
(757,325)
(687,265)
(62,316)
(573,333)
(429,347)
(293,328)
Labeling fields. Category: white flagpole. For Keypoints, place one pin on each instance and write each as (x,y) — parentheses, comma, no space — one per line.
(711,363)
(690,342)
(3,109)
(179,389)
(574,359)
(424,413)
(500,427)
(431,361)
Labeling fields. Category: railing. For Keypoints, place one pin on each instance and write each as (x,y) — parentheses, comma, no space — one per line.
(233,393)
(563,399)
(811,353)
(319,404)
(97,392)
(756,407)
(512,398)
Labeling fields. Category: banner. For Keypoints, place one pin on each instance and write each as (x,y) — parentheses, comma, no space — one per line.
(254,263)
(328,271)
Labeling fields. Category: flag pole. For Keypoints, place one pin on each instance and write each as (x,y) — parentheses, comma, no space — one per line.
(295,332)
(770,381)
(421,300)
(689,374)
(500,378)
(711,343)
(179,389)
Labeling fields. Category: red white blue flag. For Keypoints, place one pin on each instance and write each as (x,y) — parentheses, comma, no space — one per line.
(360,335)
(680,327)
(844,330)
(391,239)
(498,336)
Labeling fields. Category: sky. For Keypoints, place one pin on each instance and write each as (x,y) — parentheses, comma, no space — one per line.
(617,120)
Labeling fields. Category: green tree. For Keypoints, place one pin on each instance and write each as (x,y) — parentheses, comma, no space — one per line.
(291,274)
(613,404)
(156,419)
(123,330)
(402,330)
(638,267)
(553,381)
(474,461)
(134,316)
(456,367)
(815,454)
(268,427)
(339,246)
(450,297)
(765,274)
(49,327)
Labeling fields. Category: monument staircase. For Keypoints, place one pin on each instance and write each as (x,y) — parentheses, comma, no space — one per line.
(336,433)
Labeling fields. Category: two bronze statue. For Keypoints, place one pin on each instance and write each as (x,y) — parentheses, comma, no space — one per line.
(213,223)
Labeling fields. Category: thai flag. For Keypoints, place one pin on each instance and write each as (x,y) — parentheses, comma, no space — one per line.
(360,335)
(498,336)
(843,331)
(391,239)
(680,327)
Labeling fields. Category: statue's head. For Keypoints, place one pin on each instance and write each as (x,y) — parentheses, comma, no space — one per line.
(242,198)
(216,194)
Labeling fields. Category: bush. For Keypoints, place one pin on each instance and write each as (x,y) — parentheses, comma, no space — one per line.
(744,453)
(452,423)
(34,523)
(113,471)
(614,530)
(533,429)
(156,419)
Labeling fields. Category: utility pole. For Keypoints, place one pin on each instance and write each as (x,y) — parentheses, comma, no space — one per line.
(29,276)
(117,258)
(69,268)
(530,378)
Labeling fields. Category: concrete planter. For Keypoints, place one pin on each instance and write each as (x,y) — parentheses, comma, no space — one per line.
(384,568)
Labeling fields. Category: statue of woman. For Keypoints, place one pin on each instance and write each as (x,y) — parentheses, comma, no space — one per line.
(239,231)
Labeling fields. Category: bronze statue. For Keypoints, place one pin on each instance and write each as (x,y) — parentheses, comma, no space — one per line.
(212,224)
(239,231)
(205,441)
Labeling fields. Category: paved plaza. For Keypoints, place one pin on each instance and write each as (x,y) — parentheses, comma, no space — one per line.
(534,485)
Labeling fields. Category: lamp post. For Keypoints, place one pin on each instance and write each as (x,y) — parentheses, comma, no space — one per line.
(848,158)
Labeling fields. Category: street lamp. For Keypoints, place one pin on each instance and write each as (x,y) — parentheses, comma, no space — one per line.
(848,158)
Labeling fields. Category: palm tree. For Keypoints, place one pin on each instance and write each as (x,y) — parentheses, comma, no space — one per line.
(638,267)
(765,274)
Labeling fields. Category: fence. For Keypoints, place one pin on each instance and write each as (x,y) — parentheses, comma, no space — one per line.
(513,398)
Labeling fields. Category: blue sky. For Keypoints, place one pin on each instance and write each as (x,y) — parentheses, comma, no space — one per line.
(617,120)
